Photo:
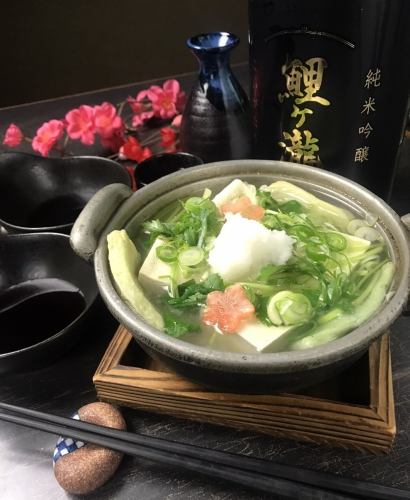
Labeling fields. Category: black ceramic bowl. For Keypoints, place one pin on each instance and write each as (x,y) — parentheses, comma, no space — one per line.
(46,194)
(46,293)
(159,165)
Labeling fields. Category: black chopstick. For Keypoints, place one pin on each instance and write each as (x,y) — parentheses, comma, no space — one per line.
(251,479)
(151,445)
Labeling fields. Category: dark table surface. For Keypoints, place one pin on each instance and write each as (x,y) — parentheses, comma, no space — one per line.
(26,470)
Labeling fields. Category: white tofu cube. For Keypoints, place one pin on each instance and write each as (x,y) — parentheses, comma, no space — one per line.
(153,272)
(235,189)
(261,336)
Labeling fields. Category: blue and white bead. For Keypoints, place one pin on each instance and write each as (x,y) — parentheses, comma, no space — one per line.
(65,446)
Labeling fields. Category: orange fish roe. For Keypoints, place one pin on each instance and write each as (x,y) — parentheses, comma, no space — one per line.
(243,206)
(228,309)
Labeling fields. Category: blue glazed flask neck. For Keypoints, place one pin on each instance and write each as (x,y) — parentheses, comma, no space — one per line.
(216,79)
(213,65)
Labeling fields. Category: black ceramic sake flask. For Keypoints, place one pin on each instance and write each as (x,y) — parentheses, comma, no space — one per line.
(215,124)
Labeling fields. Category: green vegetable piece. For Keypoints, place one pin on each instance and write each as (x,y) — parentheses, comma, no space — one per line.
(318,253)
(368,233)
(124,261)
(303,232)
(176,327)
(197,220)
(191,256)
(204,227)
(156,227)
(336,241)
(289,308)
(196,204)
(319,211)
(268,272)
(192,294)
(291,206)
(363,308)
(190,236)
(265,200)
(273,313)
(355,224)
(167,253)
(330,316)
(214,282)
(207,194)
(259,302)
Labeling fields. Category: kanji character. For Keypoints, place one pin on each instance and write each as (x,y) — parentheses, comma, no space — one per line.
(373,78)
(362,154)
(301,152)
(366,130)
(310,74)
(302,112)
(369,105)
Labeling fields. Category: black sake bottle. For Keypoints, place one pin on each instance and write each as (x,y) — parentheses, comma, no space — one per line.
(330,84)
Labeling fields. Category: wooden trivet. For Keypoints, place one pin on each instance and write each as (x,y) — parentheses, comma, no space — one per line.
(354,409)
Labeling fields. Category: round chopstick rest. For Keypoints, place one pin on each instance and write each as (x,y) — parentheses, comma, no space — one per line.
(81,468)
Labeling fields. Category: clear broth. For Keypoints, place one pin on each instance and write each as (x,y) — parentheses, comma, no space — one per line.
(208,336)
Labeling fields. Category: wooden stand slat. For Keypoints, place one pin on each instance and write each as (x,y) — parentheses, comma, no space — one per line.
(368,427)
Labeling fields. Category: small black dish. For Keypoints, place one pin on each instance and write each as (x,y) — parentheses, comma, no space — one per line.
(46,296)
(161,164)
(46,194)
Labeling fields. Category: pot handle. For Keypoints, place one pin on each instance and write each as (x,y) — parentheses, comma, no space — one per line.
(94,217)
(406,221)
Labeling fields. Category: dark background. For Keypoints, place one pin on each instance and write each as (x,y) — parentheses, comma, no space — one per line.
(59,47)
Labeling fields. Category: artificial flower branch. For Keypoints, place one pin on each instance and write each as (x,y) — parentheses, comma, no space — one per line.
(106,121)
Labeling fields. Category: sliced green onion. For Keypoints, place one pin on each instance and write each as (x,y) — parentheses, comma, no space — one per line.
(301,231)
(371,219)
(172,286)
(368,233)
(167,253)
(209,242)
(273,313)
(190,236)
(260,288)
(318,253)
(354,225)
(317,239)
(289,308)
(336,241)
(191,256)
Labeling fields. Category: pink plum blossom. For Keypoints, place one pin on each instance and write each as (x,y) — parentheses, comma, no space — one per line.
(106,120)
(13,136)
(168,137)
(137,104)
(166,98)
(141,108)
(132,150)
(47,136)
(115,140)
(139,119)
(80,124)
